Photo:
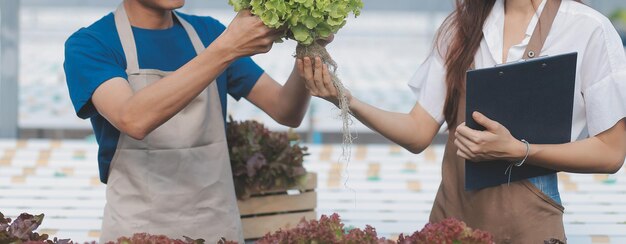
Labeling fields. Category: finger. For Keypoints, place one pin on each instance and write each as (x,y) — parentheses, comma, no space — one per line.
(308,69)
(300,67)
(465,143)
(318,76)
(489,124)
(463,155)
(469,146)
(469,133)
(463,147)
(307,74)
(263,30)
(258,22)
(328,84)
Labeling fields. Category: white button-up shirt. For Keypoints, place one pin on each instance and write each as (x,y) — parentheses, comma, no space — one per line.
(600,92)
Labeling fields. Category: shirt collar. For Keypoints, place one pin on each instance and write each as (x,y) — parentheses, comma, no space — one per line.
(493,29)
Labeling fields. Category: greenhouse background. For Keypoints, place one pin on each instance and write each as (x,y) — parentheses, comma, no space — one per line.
(48,157)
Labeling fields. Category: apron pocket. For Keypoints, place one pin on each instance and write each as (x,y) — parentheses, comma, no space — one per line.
(543,196)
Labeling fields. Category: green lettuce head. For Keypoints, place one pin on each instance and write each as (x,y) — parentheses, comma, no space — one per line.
(304,20)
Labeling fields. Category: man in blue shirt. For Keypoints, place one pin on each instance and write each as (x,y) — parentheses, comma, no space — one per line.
(153,82)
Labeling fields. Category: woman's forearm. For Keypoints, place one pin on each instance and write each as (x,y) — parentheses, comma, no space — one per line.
(603,153)
(588,156)
(414,131)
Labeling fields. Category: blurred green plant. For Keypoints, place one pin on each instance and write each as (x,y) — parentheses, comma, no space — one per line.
(619,16)
(619,21)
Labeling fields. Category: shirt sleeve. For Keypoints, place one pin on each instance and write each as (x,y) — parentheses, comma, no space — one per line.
(603,79)
(429,85)
(242,74)
(88,64)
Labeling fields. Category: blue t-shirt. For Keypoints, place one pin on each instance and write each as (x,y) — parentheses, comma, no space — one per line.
(94,55)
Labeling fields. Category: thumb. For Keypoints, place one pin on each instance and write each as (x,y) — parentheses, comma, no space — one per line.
(489,124)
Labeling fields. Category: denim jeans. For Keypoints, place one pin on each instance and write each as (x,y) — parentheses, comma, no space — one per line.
(549,185)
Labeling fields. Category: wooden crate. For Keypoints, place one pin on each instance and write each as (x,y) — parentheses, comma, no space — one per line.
(276,209)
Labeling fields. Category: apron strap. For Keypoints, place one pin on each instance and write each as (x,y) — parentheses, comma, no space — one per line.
(542,29)
(127,38)
(193,35)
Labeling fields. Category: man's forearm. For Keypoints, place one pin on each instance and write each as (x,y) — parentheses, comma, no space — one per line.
(139,113)
(153,105)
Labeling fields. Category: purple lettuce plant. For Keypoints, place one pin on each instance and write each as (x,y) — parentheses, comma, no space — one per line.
(145,238)
(22,231)
(330,230)
(262,160)
(449,231)
(326,230)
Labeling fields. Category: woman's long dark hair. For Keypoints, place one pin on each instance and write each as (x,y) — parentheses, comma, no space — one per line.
(463,32)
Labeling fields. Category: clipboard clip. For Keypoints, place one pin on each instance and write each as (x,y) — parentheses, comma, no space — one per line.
(520,61)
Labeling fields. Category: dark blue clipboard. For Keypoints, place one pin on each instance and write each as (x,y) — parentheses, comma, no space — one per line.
(534,99)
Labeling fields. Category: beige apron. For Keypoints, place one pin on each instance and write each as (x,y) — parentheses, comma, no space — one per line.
(177,181)
(514,213)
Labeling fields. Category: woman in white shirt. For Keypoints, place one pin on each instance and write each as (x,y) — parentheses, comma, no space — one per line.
(483,34)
